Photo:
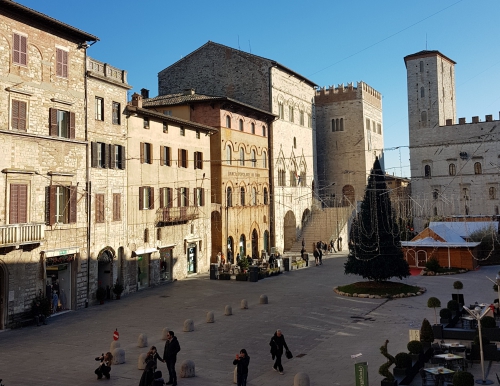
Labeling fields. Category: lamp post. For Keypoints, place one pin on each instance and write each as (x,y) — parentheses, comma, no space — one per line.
(478,316)
(497,282)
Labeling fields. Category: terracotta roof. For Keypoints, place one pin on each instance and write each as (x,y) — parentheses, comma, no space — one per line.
(425,54)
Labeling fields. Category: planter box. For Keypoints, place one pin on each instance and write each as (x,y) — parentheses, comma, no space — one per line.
(224,276)
(243,277)
(386,382)
(399,373)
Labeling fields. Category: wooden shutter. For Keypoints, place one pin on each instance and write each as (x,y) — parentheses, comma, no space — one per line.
(162,155)
(162,199)
(64,64)
(73,195)
(23,51)
(20,50)
(170,198)
(52,204)
(122,157)
(195,190)
(53,122)
(150,153)
(151,198)
(18,114)
(142,152)
(179,201)
(93,154)
(22,116)
(168,156)
(202,196)
(117,215)
(179,157)
(186,158)
(18,204)
(99,208)
(59,62)
(187,196)
(72,125)
(200,160)
(141,197)
(105,155)
(112,157)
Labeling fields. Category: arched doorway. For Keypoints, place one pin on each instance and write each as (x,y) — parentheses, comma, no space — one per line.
(105,269)
(305,218)
(3,292)
(266,241)
(216,234)
(348,196)
(255,244)
(289,230)
(243,245)
(421,258)
(410,258)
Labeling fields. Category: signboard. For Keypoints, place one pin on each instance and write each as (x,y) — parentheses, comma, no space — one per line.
(361,373)
(116,335)
(415,335)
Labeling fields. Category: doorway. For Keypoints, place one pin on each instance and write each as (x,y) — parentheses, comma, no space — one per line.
(255,244)
(191,258)
(166,264)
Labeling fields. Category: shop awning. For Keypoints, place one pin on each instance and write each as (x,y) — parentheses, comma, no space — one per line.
(167,246)
(143,251)
(61,252)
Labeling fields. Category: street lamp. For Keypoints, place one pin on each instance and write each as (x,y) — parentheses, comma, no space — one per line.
(478,316)
(497,282)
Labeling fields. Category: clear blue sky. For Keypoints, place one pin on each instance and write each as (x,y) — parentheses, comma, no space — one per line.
(330,42)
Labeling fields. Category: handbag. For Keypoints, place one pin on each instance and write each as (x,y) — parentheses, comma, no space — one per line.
(289,354)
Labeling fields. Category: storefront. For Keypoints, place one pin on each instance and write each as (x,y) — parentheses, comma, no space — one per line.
(166,262)
(144,267)
(192,255)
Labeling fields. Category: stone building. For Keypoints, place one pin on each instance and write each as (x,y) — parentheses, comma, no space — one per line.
(107,133)
(239,159)
(215,69)
(350,135)
(454,166)
(168,211)
(43,231)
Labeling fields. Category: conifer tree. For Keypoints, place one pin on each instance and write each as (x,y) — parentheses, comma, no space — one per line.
(374,246)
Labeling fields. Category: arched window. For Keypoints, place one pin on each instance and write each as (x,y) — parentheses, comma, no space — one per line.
(341,124)
(146,235)
(264,160)
(254,196)
(333,125)
(266,197)
(253,128)
(229,155)
(281,177)
(421,66)
(242,196)
(158,234)
(423,118)
(427,171)
(294,143)
(492,193)
(263,131)
(242,157)
(228,121)
(452,170)
(241,124)
(229,197)
(477,168)
(435,211)
(254,159)
(422,92)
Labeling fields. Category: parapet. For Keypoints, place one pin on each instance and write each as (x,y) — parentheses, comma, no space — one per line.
(349,92)
(475,119)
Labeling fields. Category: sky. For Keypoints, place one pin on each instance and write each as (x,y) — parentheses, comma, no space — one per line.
(327,41)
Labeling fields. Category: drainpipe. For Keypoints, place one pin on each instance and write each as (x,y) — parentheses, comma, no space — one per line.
(272,236)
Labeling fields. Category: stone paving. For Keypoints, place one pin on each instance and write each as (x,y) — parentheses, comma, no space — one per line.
(324,327)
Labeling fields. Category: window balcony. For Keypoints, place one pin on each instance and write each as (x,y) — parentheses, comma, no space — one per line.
(176,215)
(21,234)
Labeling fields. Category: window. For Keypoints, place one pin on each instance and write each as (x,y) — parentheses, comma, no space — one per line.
(197,134)
(466,193)
(117,209)
(492,192)
(62,124)
(254,196)
(293,178)
(374,128)
(116,113)
(165,156)
(146,198)
(183,158)
(368,124)
(264,131)
(229,155)
(62,204)
(99,208)
(301,118)
(242,196)
(252,126)
(117,157)
(309,120)
(254,159)
(294,143)
(379,128)
(62,63)
(146,235)
(266,197)
(281,177)
(145,123)
(166,197)
(427,171)
(291,113)
(182,131)
(435,194)
(264,159)
(452,170)
(99,109)
(435,211)
(229,197)
(281,111)
(242,157)
(421,66)
(146,153)
(302,179)
(199,197)
(477,168)
(338,124)
(165,127)
(422,92)
(167,112)
(183,197)
(198,160)
(20,50)
(18,115)
(18,204)
(102,155)
(228,121)
(240,125)
(423,118)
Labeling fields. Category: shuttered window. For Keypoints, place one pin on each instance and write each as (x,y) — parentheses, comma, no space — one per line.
(62,123)
(199,197)
(99,109)
(146,153)
(166,197)
(99,208)
(117,202)
(20,50)
(62,63)
(18,205)
(116,113)
(146,198)
(18,120)
(198,160)
(183,158)
(62,204)
(165,156)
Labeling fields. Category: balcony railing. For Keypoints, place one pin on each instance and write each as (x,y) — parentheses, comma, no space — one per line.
(20,234)
(176,215)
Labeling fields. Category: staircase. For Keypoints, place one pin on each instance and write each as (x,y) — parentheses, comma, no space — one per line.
(324,225)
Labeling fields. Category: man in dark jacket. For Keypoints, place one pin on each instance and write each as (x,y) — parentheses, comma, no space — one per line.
(277,343)
(172,347)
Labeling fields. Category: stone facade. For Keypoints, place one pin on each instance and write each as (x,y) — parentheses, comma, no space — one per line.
(214,69)
(454,166)
(350,135)
(43,225)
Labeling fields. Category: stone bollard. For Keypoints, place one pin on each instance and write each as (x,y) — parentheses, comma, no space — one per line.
(188,325)
(228,310)
(210,317)
(164,333)
(235,375)
(114,344)
(118,356)
(141,362)
(187,369)
(301,379)
(263,299)
(142,341)
(244,304)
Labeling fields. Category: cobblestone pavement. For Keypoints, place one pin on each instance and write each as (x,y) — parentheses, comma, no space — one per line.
(322,328)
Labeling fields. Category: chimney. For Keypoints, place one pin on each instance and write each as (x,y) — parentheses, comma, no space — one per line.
(489,118)
(449,122)
(189,91)
(461,121)
(475,119)
(137,100)
(145,93)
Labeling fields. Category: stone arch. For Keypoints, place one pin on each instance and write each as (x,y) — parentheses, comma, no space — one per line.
(105,259)
(289,230)
(348,195)
(306,215)
(255,243)
(242,245)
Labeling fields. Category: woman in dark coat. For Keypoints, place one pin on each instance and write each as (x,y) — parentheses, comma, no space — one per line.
(242,361)
(105,367)
(277,344)
(148,374)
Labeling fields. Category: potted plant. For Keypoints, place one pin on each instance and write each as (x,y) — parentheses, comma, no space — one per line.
(463,378)
(384,369)
(402,363)
(100,295)
(415,348)
(242,277)
(445,315)
(118,289)
(453,306)
(426,334)
(458,285)
(488,322)
(433,302)
(224,276)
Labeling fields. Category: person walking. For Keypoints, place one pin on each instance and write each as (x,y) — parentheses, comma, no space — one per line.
(332,247)
(277,344)
(320,252)
(38,314)
(316,256)
(172,347)
(242,361)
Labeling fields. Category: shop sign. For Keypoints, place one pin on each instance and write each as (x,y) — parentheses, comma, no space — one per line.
(59,260)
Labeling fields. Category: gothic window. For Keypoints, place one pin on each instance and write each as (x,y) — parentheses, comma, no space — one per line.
(452,170)
(435,211)
(228,121)
(492,193)
(422,92)
(427,171)
(263,131)
(291,113)
(294,143)
(266,197)
(264,159)
(254,159)
(281,111)
(229,197)
(242,196)
(229,155)
(477,168)
(253,128)
(241,124)
(435,194)
(423,118)
(242,157)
